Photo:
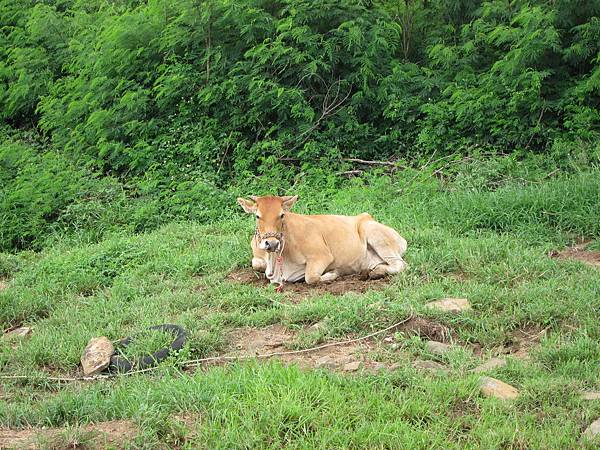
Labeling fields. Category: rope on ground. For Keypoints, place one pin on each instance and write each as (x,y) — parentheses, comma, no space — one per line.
(212,359)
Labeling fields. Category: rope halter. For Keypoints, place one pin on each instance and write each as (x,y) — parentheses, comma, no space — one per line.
(280,236)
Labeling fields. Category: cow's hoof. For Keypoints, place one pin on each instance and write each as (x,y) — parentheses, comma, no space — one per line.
(378,272)
(329,277)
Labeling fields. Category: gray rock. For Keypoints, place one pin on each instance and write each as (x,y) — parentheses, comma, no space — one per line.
(438,348)
(593,431)
(352,366)
(326,362)
(491,364)
(491,387)
(590,395)
(429,365)
(453,305)
(377,366)
(20,332)
(96,356)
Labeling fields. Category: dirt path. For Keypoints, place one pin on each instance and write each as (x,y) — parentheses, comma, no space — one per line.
(579,253)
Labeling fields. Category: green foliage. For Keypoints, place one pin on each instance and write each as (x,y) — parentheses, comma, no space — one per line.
(37,187)
(173,101)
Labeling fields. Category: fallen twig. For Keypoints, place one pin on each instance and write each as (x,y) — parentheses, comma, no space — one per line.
(371,163)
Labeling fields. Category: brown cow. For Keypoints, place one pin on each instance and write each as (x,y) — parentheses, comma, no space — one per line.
(289,247)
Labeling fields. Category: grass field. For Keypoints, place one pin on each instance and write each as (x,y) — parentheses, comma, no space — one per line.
(489,244)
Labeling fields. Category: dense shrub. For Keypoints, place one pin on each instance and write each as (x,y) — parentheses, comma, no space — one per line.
(178,101)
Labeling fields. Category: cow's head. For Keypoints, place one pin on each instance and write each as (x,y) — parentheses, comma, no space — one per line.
(270,217)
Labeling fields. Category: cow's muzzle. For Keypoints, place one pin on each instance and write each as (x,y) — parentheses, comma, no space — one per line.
(270,244)
(270,241)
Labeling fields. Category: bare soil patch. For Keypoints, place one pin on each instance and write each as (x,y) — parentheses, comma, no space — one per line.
(524,340)
(578,252)
(271,339)
(343,285)
(518,344)
(103,435)
(426,328)
(345,356)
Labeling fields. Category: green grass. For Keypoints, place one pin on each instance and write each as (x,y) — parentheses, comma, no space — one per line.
(144,343)
(465,241)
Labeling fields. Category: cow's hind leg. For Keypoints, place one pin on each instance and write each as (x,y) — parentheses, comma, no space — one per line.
(388,245)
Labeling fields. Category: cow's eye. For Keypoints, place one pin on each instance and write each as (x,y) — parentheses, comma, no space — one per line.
(281,215)
(258,216)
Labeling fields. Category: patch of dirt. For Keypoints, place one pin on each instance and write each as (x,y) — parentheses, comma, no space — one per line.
(3,284)
(103,435)
(426,328)
(578,252)
(523,340)
(352,283)
(518,344)
(344,357)
(255,341)
(271,339)
(463,407)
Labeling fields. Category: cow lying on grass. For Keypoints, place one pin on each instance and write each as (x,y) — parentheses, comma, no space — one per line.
(289,247)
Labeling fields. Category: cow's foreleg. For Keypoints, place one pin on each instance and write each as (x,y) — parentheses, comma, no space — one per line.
(329,276)
(315,269)
(259,264)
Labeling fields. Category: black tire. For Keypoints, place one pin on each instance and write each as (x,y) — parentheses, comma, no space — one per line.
(121,364)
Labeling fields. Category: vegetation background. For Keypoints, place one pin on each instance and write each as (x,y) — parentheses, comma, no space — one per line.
(126,114)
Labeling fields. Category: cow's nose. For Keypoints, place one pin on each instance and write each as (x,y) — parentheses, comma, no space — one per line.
(271,244)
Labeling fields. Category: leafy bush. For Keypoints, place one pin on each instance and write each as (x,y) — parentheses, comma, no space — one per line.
(175,102)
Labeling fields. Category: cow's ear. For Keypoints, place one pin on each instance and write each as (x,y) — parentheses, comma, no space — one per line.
(248,205)
(288,201)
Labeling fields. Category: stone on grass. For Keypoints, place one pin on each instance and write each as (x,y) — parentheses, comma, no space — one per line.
(377,366)
(452,305)
(491,364)
(429,365)
(438,348)
(96,356)
(352,366)
(593,431)
(20,332)
(491,387)
(590,395)
(326,362)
